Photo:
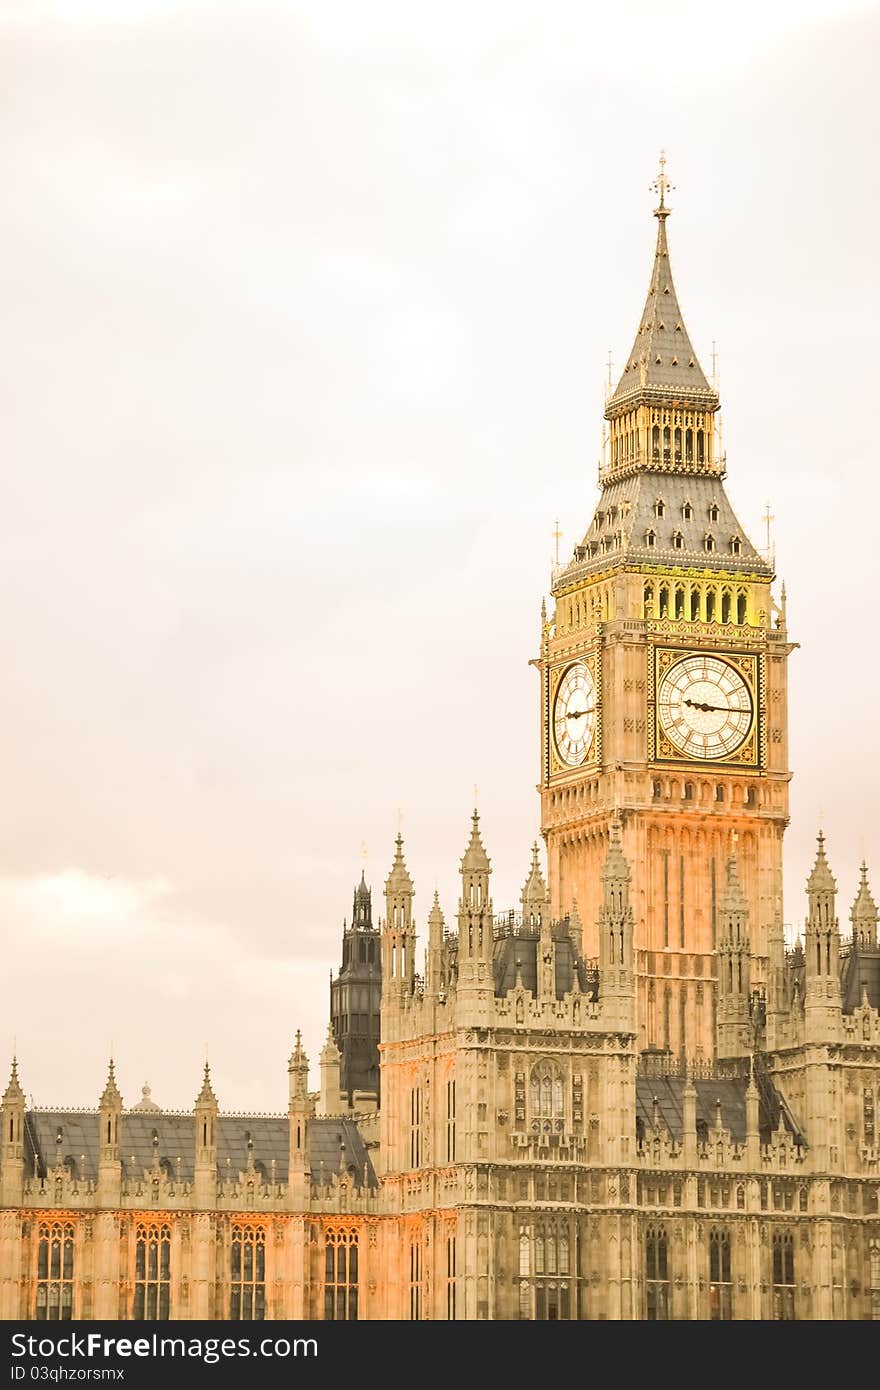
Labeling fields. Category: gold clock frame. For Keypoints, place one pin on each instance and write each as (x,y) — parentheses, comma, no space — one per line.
(748,665)
(554,768)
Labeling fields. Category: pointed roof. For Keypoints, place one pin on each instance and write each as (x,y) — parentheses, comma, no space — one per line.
(298,1060)
(110,1096)
(361,912)
(535,889)
(475,858)
(435,916)
(662,361)
(398,880)
(864,909)
(821,879)
(206,1094)
(13,1091)
(330,1052)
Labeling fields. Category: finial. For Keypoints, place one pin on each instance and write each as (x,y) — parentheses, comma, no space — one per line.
(557,537)
(662,186)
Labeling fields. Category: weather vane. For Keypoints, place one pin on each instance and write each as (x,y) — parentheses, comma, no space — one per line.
(661,184)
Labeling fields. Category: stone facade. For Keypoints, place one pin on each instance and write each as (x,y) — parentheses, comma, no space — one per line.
(627,1099)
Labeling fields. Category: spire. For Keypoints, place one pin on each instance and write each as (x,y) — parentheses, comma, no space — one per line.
(298,1056)
(398,880)
(733,899)
(821,879)
(329,1052)
(206,1094)
(435,916)
(13,1091)
(110,1096)
(616,867)
(864,913)
(362,909)
(534,893)
(662,364)
(475,859)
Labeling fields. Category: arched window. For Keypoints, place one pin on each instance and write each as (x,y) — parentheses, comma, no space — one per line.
(678,446)
(54,1292)
(695,604)
(720,1283)
(710,606)
(665,443)
(750,796)
(735,545)
(709,541)
(656,1276)
(699,446)
(152,1273)
(725,606)
(664,601)
(655,442)
(649,600)
(547,1094)
(340,1275)
(687,510)
(688,791)
(783,1277)
(677,540)
(655,790)
(689,446)
(679,602)
(650,539)
(247,1295)
(719,792)
(659,507)
(713,512)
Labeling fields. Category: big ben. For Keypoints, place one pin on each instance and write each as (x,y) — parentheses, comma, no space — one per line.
(664,687)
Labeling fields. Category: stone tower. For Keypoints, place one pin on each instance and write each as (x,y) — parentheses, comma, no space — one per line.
(664,688)
(355,999)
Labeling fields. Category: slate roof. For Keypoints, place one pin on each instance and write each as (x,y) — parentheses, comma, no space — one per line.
(524,948)
(662,359)
(861,971)
(626,515)
(176,1140)
(669,1091)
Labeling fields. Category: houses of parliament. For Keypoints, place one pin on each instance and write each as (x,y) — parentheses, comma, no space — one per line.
(628,1098)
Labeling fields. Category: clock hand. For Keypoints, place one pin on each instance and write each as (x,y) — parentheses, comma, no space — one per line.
(713,709)
(577,714)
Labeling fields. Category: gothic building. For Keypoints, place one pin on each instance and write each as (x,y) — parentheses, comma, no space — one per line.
(629,1098)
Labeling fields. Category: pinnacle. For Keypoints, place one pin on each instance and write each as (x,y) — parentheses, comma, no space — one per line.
(330,1052)
(864,909)
(398,879)
(298,1057)
(821,878)
(13,1090)
(616,864)
(535,889)
(110,1095)
(435,916)
(734,899)
(475,857)
(206,1094)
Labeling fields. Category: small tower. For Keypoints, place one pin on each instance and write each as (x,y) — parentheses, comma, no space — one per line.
(398,935)
(206,1110)
(109,1117)
(864,915)
(616,925)
(536,913)
(12,1148)
(356,999)
(330,1102)
(299,1111)
(777,996)
(475,921)
(734,976)
(435,982)
(822,1003)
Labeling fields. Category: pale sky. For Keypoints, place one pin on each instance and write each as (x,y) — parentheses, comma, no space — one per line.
(306,312)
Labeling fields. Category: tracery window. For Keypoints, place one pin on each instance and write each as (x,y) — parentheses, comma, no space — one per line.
(152,1273)
(247,1300)
(545,1272)
(868,1116)
(720,1283)
(657,1276)
(450,1121)
(450,1276)
(340,1274)
(546,1096)
(415,1281)
(783,1277)
(55,1265)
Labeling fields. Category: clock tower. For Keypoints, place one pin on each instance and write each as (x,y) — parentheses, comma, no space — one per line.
(664,689)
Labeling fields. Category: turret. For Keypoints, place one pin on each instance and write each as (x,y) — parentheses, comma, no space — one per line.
(109,1117)
(864,915)
(822,1005)
(475,921)
(734,976)
(206,1111)
(330,1101)
(398,933)
(616,966)
(435,982)
(536,913)
(299,1113)
(12,1147)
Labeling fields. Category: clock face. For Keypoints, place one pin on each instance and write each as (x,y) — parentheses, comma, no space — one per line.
(704,707)
(574,714)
